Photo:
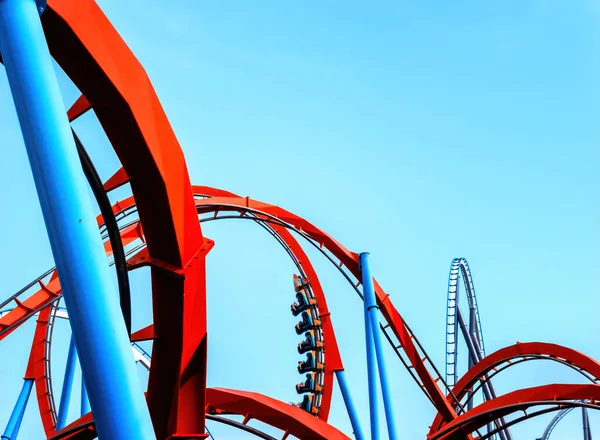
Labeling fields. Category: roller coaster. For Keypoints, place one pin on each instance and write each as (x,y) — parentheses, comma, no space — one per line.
(159,226)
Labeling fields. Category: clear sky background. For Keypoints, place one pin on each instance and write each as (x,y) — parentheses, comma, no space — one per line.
(418,131)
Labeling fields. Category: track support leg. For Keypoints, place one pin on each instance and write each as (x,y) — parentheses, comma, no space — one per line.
(341,378)
(85,403)
(67,386)
(120,410)
(14,423)
(372,322)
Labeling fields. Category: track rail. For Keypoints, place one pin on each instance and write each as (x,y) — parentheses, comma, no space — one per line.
(459,269)
(167,237)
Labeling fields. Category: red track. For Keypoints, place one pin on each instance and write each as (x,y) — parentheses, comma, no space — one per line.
(116,88)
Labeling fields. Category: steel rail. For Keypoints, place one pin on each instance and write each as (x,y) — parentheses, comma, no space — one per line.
(528,358)
(460,270)
(279,222)
(557,405)
(93,178)
(557,418)
(317,246)
(265,226)
(32,312)
(239,425)
(458,267)
(27,287)
(562,413)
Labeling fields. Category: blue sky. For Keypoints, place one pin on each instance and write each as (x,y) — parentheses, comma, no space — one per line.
(416,131)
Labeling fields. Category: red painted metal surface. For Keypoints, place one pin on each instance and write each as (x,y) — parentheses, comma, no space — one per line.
(116,88)
(333,358)
(516,401)
(38,369)
(552,352)
(93,55)
(279,414)
(81,428)
(350,260)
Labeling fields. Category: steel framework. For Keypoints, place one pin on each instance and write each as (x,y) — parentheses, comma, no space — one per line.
(159,227)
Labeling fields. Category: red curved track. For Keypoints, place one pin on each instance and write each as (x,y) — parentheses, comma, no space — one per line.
(116,88)
(516,401)
(527,351)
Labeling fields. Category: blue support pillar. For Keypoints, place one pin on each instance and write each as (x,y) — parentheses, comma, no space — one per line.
(67,386)
(116,396)
(16,417)
(372,319)
(371,371)
(356,428)
(85,403)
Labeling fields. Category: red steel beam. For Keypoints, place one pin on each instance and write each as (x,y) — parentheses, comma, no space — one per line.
(291,419)
(94,56)
(515,401)
(518,350)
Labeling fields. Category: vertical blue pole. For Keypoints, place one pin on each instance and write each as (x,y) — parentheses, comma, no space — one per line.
(67,386)
(372,308)
(120,410)
(16,417)
(587,434)
(85,403)
(341,377)
(371,369)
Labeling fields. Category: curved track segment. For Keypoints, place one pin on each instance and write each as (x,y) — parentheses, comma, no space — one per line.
(527,351)
(93,55)
(459,268)
(298,225)
(472,335)
(131,233)
(284,416)
(115,86)
(394,321)
(555,396)
(557,418)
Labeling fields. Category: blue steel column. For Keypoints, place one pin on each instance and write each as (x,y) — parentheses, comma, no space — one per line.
(67,386)
(587,434)
(85,403)
(341,377)
(116,397)
(371,369)
(372,308)
(16,417)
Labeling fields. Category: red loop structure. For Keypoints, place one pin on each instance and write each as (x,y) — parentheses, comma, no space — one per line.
(160,228)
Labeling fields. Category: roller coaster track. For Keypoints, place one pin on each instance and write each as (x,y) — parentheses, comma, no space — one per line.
(587,434)
(478,378)
(132,232)
(473,335)
(459,268)
(159,227)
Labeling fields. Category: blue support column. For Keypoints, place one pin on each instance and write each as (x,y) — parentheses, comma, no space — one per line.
(67,386)
(16,417)
(371,371)
(117,399)
(85,403)
(341,378)
(371,310)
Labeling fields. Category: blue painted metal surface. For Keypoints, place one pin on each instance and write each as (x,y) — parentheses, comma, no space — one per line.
(371,365)
(85,403)
(371,309)
(16,417)
(356,428)
(120,410)
(67,386)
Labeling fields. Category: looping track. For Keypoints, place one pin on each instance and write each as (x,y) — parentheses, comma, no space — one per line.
(165,235)
(459,268)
